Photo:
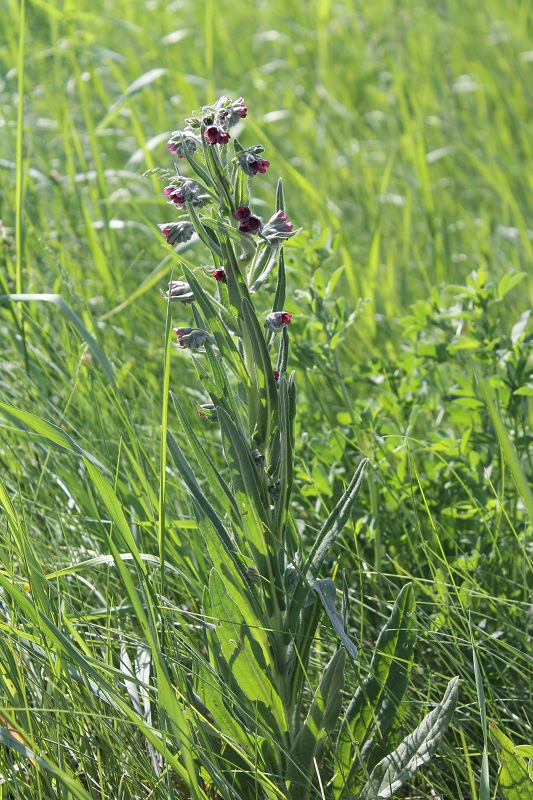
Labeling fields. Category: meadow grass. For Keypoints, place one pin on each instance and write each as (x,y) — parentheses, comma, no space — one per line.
(401,132)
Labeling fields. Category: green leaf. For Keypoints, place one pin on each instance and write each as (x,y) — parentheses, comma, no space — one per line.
(415,750)
(376,701)
(509,281)
(322,718)
(266,383)
(281,287)
(326,591)
(333,525)
(280,198)
(243,653)
(202,503)
(514,781)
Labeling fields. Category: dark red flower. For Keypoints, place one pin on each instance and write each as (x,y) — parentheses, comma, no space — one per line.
(216,135)
(179,333)
(249,223)
(276,375)
(219,275)
(258,165)
(174,195)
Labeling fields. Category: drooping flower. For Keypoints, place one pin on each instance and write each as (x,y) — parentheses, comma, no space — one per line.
(192,338)
(249,161)
(179,291)
(215,134)
(176,232)
(179,139)
(220,275)
(277,320)
(249,223)
(278,228)
(185,190)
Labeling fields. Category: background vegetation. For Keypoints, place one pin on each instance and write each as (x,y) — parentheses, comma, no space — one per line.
(401,132)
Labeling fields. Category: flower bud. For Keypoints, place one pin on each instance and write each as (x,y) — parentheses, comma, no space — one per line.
(190,141)
(220,275)
(249,161)
(208,411)
(179,291)
(278,228)
(258,457)
(185,190)
(277,320)
(176,232)
(192,338)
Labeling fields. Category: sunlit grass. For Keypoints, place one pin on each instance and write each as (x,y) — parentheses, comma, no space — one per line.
(403,130)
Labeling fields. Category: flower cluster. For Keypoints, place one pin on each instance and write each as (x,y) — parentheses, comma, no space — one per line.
(177,232)
(216,120)
(185,190)
(249,161)
(248,222)
(193,338)
(218,179)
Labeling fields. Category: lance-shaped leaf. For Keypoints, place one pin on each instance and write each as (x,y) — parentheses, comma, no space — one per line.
(281,286)
(514,781)
(376,701)
(286,460)
(322,718)
(249,494)
(333,525)
(266,383)
(415,750)
(208,468)
(207,236)
(218,328)
(244,654)
(201,500)
(327,535)
(264,267)
(326,591)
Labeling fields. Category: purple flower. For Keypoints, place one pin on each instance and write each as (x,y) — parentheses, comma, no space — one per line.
(277,320)
(216,135)
(220,275)
(176,232)
(249,223)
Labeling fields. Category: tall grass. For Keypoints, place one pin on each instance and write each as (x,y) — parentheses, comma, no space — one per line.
(401,133)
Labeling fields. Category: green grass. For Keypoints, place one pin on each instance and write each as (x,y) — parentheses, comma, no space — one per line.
(401,132)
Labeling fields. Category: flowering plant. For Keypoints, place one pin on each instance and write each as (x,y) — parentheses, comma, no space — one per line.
(258,731)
